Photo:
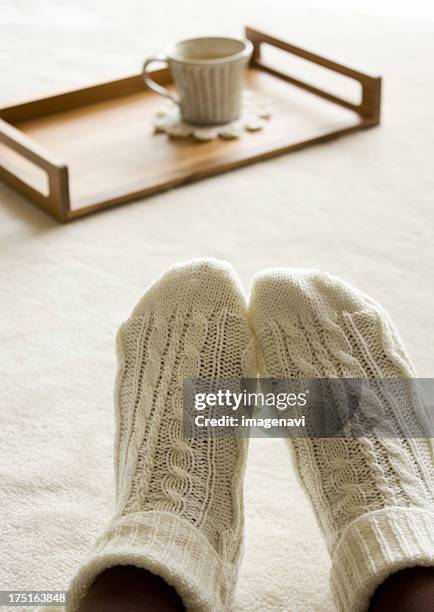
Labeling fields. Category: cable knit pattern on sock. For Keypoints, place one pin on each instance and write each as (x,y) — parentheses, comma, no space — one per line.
(178,502)
(373,498)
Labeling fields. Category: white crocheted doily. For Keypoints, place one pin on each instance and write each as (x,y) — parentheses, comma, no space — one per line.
(254,116)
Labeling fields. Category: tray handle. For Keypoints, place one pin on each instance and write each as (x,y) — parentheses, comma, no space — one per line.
(368,109)
(56,202)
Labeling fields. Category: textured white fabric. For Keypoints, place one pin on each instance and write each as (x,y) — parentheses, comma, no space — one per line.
(373,496)
(360,207)
(179,510)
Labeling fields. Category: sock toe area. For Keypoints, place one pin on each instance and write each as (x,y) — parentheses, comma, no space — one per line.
(201,284)
(285,293)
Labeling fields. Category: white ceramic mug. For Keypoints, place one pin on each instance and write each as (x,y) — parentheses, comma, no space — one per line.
(208,74)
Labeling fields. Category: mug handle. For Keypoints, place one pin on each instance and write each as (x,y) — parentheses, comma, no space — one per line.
(161,91)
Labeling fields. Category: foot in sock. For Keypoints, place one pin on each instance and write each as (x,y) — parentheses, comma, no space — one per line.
(373,498)
(179,507)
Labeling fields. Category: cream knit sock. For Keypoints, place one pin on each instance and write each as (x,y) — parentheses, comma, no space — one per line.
(179,511)
(373,498)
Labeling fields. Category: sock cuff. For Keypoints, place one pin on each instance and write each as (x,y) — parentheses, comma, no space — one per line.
(167,546)
(375,546)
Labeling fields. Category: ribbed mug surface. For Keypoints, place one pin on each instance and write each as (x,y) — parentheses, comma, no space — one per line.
(209,94)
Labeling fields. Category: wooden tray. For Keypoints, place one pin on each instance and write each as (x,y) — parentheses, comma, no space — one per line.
(79,152)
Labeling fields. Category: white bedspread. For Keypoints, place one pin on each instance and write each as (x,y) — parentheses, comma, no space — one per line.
(361,207)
